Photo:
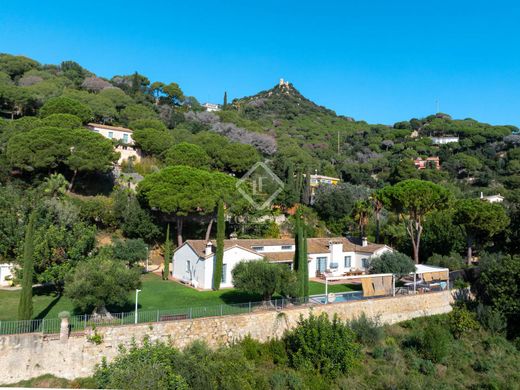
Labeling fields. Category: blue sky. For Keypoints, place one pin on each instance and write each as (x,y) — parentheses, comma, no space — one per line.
(381,61)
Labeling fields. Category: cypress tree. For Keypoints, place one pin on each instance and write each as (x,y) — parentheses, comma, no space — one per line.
(299,186)
(306,195)
(291,191)
(304,262)
(25,307)
(224,106)
(297,249)
(219,257)
(300,256)
(167,254)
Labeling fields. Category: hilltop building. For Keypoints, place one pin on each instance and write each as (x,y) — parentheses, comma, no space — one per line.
(123,139)
(193,262)
(211,107)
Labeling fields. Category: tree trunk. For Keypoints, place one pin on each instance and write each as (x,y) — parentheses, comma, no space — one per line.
(208,230)
(378,217)
(414,229)
(469,257)
(179,230)
(71,184)
(101,312)
(416,253)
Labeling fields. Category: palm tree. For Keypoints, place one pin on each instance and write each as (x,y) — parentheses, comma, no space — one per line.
(361,215)
(377,204)
(55,185)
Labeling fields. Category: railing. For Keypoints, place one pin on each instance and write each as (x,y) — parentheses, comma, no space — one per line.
(79,323)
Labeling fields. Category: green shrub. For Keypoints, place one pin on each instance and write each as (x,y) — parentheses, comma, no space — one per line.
(460,321)
(368,331)
(481,365)
(225,368)
(392,262)
(432,342)
(146,367)
(453,261)
(282,380)
(263,278)
(321,345)
(427,367)
(491,319)
(435,343)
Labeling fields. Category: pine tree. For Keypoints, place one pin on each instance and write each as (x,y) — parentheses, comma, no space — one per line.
(167,254)
(224,106)
(219,256)
(25,307)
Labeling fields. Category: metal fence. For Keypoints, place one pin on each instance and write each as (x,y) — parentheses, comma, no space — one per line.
(79,323)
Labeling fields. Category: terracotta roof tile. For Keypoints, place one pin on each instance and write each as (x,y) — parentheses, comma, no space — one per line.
(99,125)
(314,246)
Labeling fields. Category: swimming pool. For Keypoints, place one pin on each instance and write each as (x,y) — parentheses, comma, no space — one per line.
(339,297)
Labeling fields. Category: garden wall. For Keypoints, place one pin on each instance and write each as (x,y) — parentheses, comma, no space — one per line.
(29,355)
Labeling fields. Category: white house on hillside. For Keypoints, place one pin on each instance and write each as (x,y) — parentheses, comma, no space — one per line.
(211,107)
(125,147)
(6,274)
(492,198)
(444,139)
(193,261)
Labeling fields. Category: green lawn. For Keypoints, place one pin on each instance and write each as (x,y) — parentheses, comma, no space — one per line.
(156,294)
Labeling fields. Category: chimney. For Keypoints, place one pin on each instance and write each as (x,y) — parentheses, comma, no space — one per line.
(209,248)
(233,236)
(481,195)
(364,241)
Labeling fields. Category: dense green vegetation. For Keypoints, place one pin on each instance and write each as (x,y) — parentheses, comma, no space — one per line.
(61,174)
(449,351)
(192,159)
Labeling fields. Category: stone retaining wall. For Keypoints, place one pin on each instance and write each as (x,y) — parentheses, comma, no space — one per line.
(29,355)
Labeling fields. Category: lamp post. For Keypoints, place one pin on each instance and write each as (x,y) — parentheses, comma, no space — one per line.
(137,291)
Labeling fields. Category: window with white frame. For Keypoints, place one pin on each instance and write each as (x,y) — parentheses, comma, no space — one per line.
(224,273)
(286,247)
(348,261)
(364,262)
(110,134)
(257,248)
(321,264)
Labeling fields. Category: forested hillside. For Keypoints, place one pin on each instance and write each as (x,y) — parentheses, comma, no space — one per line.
(53,167)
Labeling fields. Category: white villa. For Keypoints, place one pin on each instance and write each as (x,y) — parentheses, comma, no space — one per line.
(492,198)
(126,148)
(193,261)
(6,274)
(211,107)
(445,139)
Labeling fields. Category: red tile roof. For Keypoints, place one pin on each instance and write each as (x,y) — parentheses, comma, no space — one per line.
(314,246)
(117,128)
